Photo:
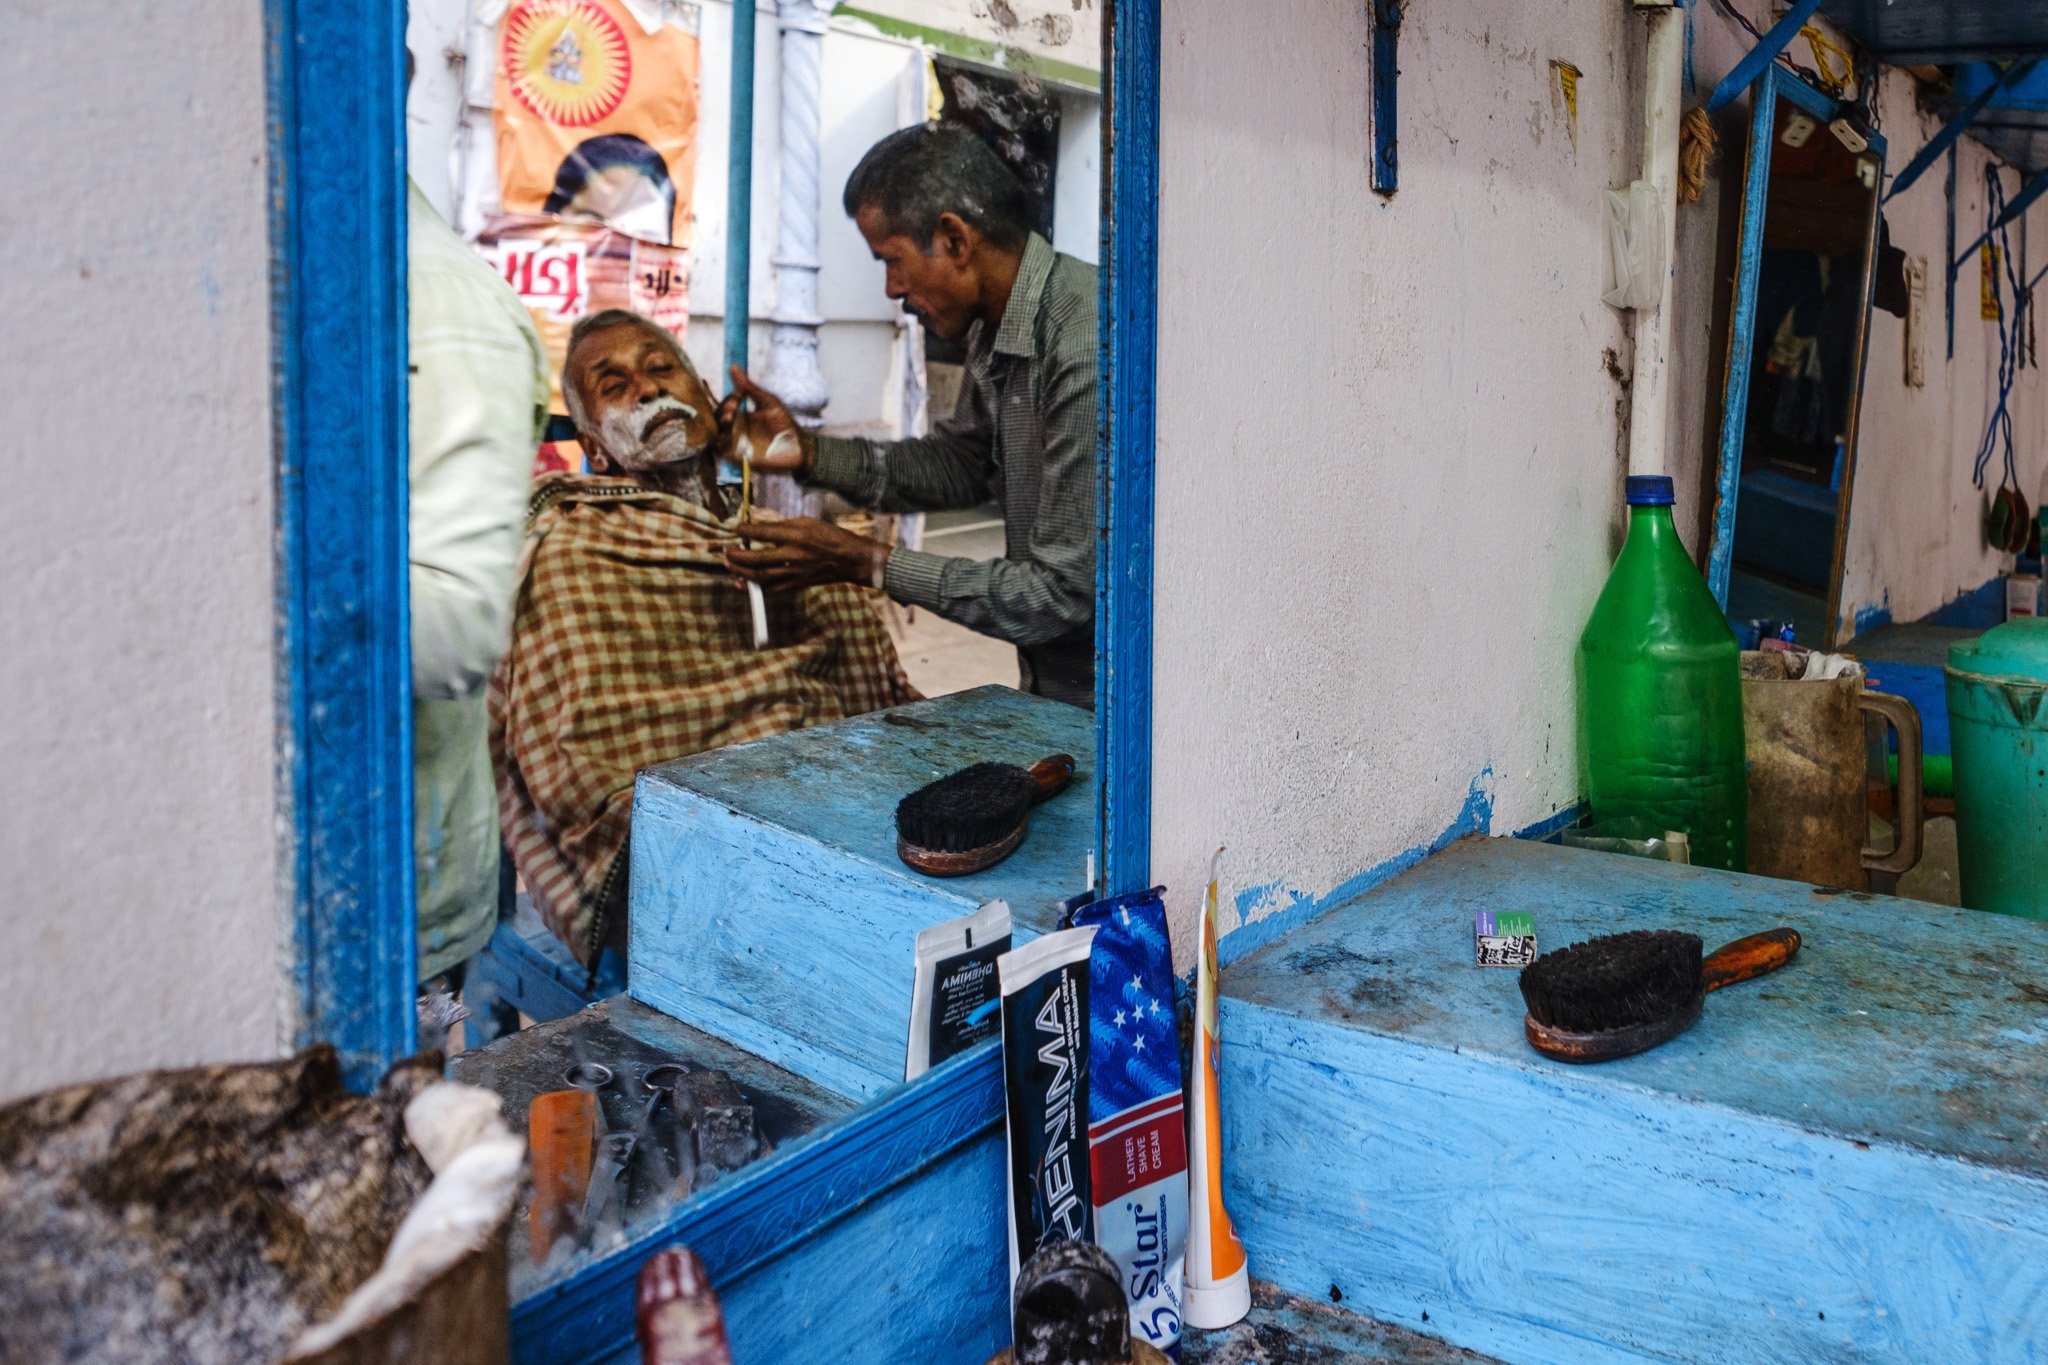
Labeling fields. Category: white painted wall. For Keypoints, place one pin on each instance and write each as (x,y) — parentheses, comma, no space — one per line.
(1389,489)
(137,835)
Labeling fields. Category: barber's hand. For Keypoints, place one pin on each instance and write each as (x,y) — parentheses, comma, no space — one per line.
(803,552)
(768,438)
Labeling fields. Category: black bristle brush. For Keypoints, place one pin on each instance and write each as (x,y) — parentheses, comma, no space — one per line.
(1622,994)
(976,817)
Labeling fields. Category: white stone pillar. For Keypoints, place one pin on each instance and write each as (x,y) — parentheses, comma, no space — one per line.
(793,372)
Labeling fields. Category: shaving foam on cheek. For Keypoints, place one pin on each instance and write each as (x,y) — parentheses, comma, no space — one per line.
(1219,1289)
(1045,1073)
(1137,1122)
(954,1001)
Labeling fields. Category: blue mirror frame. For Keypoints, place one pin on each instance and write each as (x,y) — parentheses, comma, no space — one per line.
(1774,83)
(336,74)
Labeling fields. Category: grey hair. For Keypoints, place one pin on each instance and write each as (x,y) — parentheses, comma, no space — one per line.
(915,174)
(572,397)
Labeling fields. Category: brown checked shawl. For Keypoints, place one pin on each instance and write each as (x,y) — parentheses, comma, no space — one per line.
(631,645)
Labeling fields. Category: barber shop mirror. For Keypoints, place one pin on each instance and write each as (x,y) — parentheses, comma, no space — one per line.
(906,510)
(1809,235)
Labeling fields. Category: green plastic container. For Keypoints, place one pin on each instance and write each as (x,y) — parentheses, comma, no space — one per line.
(1998,731)
(1660,694)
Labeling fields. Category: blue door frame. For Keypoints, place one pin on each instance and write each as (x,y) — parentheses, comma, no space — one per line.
(337,143)
(344,750)
(1774,82)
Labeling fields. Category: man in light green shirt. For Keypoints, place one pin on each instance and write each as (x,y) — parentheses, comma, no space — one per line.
(479,394)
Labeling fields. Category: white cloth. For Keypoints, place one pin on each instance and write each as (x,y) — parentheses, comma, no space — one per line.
(478,393)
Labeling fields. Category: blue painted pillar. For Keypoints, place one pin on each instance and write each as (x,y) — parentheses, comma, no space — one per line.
(1124,413)
(337,162)
(739,188)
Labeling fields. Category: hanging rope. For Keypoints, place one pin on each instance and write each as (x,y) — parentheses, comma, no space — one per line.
(1824,54)
(2010,334)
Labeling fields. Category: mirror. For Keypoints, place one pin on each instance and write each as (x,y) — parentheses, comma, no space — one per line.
(586,150)
(1795,371)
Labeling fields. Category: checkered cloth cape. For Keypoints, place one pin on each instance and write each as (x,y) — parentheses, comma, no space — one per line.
(631,646)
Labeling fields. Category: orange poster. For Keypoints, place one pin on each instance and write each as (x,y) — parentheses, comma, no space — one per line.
(596,117)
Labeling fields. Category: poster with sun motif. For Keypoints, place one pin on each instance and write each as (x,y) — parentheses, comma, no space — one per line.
(596,114)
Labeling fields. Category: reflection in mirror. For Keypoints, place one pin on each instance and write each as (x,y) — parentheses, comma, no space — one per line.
(1811,280)
(894,499)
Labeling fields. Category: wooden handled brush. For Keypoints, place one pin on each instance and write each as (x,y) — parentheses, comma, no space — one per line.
(975,818)
(1622,994)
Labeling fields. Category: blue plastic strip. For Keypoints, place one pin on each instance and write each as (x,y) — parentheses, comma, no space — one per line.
(1386,73)
(337,143)
(1954,129)
(1760,57)
(1124,414)
(1735,400)
(739,190)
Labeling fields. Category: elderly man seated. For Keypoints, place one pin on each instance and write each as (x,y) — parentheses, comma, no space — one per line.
(632,644)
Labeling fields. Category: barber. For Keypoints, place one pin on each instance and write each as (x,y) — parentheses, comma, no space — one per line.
(952,226)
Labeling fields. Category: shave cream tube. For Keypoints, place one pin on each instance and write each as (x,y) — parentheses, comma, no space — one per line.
(1045,1081)
(1219,1288)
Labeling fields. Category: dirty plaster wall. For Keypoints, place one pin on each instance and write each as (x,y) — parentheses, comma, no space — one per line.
(1389,491)
(1914,538)
(136,815)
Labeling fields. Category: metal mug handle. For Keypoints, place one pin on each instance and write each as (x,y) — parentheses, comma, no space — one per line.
(1905,854)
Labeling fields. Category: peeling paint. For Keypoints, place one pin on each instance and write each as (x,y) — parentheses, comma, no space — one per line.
(1267,911)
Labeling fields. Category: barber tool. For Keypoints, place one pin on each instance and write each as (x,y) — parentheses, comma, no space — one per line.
(561,1128)
(1621,994)
(755,601)
(975,818)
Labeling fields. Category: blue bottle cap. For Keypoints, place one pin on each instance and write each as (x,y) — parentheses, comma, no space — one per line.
(1649,490)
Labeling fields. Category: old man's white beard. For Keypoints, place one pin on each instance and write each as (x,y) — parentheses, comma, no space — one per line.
(627,441)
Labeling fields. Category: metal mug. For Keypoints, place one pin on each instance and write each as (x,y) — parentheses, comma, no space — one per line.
(1809,805)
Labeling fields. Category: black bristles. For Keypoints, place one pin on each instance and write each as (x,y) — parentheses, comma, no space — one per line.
(1615,981)
(969,809)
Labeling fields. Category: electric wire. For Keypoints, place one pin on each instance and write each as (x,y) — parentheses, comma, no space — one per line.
(1999,430)
(1811,76)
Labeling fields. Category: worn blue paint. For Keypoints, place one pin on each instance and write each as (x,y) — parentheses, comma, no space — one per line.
(336,75)
(1386,79)
(1296,908)
(739,188)
(1981,608)
(1940,143)
(768,904)
(1128,306)
(1563,819)
(1742,335)
(879,1237)
(1870,618)
(1857,1135)
(1762,57)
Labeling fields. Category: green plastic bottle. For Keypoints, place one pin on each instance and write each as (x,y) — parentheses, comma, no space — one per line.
(1660,695)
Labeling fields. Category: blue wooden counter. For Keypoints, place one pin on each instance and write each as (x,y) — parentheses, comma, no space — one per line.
(1847,1160)
(769,907)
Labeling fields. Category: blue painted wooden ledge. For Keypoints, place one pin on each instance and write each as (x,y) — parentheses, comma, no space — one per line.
(1846,1160)
(769,907)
